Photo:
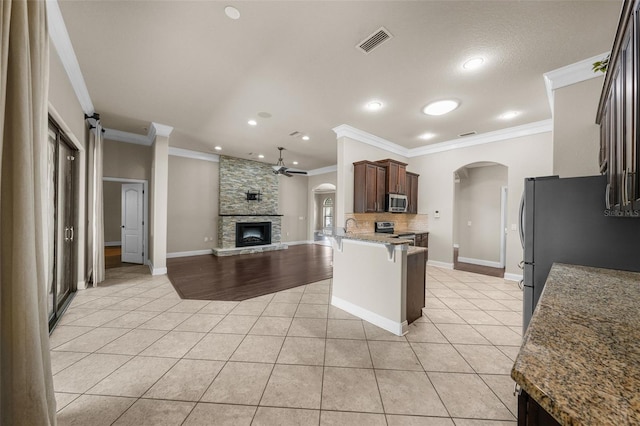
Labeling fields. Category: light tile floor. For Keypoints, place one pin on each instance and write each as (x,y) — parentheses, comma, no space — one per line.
(131,352)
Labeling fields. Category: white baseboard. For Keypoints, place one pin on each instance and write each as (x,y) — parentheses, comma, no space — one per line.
(512,277)
(154,270)
(82,285)
(438,264)
(297,243)
(112,243)
(188,253)
(481,262)
(323,243)
(397,328)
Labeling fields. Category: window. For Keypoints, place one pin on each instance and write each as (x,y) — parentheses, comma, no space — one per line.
(327,212)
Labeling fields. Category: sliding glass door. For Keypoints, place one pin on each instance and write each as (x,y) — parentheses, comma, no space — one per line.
(61,213)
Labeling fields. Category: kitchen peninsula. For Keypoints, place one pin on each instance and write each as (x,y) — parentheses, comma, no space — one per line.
(379,278)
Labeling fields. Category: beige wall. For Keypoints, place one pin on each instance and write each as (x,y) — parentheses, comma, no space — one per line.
(525,156)
(126,160)
(575,132)
(293,199)
(112,195)
(479,203)
(350,151)
(192,204)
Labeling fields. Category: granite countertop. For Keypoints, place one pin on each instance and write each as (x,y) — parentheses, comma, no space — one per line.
(580,357)
(413,250)
(376,238)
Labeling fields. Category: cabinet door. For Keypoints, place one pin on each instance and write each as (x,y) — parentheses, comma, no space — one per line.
(371,204)
(412,193)
(381,175)
(402,179)
(392,178)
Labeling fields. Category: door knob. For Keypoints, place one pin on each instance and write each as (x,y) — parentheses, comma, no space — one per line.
(123,226)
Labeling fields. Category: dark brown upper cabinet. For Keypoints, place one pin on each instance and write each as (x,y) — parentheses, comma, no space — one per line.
(396,182)
(412,193)
(618,116)
(368,187)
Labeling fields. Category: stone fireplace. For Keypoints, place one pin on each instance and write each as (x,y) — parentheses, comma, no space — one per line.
(248,196)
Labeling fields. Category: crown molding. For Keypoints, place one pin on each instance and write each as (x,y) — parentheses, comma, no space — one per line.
(196,155)
(571,74)
(323,170)
(344,130)
(534,128)
(60,38)
(162,129)
(127,137)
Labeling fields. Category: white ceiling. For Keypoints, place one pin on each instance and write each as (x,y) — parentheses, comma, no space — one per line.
(186,65)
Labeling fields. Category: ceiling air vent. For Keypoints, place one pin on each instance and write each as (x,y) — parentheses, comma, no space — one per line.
(467,134)
(296,133)
(374,40)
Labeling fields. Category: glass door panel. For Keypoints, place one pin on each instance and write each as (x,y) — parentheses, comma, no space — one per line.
(51,219)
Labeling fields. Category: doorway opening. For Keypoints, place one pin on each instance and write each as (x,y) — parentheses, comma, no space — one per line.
(480,218)
(125,222)
(324,201)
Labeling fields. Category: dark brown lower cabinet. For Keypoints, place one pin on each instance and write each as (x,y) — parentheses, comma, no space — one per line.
(530,413)
(416,274)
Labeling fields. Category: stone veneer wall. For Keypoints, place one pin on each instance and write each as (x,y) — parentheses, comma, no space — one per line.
(237,176)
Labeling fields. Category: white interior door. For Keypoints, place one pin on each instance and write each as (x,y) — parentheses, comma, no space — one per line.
(132,223)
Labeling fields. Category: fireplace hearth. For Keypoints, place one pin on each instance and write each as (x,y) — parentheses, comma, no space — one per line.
(250,234)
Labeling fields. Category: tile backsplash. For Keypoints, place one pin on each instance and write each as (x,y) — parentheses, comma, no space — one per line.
(403,222)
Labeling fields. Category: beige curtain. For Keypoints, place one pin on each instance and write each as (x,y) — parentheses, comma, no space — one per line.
(96,210)
(26,385)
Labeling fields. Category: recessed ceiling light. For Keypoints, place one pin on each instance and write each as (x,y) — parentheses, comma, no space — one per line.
(509,115)
(260,156)
(441,107)
(295,163)
(473,63)
(305,138)
(427,136)
(374,105)
(232,12)
(252,122)
(218,148)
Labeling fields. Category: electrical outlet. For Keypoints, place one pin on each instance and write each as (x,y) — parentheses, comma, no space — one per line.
(206,239)
(469,223)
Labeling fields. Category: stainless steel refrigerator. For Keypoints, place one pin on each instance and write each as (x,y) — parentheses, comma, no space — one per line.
(563,220)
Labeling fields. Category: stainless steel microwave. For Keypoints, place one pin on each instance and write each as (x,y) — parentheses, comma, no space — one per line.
(396,203)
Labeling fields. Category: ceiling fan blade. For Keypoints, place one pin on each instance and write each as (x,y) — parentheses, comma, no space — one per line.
(298,172)
(287,174)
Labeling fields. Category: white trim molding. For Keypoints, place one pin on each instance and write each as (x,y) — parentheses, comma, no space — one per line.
(297,243)
(534,128)
(323,170)
(128,137)
(438,264)
(512,277)
(480,262)
(156,271)
(397,328)
(161,129)
(188,253)
(571,74)
(344,130)
(60,38)
(196,155)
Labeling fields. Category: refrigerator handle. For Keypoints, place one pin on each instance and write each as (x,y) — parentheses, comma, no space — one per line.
(521,216)
(606,196)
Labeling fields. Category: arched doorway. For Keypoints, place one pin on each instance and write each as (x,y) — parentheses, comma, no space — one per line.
(324,198)
(480,217)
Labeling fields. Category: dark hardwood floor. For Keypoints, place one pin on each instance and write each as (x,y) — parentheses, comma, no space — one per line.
(113,258)
(477,269)
(249,275)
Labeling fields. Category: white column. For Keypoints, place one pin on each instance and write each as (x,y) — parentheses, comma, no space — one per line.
(159,192)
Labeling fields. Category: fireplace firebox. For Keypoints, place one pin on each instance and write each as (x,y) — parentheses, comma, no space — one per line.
(253,234)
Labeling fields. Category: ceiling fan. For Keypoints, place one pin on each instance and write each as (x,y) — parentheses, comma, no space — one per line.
(281,169)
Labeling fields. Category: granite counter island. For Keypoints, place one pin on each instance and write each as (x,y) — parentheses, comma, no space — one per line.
(379,279)
(580,357)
